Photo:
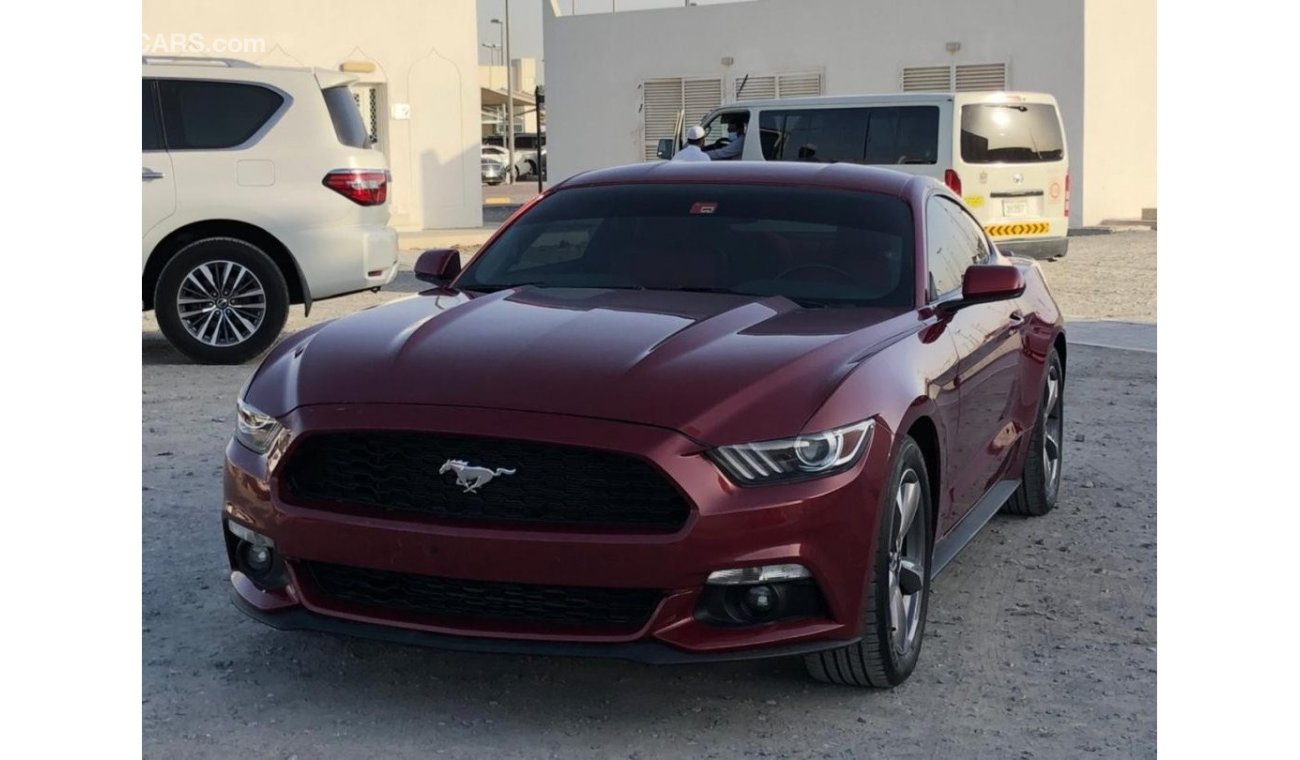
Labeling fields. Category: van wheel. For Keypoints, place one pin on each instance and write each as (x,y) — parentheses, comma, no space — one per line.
(221,301)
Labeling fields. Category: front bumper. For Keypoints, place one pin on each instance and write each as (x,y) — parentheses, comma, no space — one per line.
(826,524)
(648,651)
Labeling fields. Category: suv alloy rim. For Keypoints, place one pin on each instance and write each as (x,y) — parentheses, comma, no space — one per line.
(221,303)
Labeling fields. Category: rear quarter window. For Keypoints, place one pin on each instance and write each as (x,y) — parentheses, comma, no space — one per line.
(199,115)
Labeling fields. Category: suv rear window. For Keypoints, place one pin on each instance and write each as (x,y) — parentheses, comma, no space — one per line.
(1018,133)
(887,135)
(349,127)
(199,115)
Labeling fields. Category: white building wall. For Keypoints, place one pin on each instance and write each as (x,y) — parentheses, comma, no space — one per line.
(596,61)
(1119,120)
(425,55)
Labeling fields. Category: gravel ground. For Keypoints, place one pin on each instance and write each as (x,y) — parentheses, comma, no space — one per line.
(1041,640)
(1111,277)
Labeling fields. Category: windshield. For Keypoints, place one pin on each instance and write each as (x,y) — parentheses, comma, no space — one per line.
(817,247)
(1010,133)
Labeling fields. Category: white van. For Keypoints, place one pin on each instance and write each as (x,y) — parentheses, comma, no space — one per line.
(1002,152)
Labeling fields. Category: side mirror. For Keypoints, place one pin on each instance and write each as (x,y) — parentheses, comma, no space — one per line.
(666,148)
(985,283)
(438,266)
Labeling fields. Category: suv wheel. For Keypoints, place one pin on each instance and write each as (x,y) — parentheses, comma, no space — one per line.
(221,301)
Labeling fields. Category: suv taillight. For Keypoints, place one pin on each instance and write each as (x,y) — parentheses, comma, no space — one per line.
(364,187)
(951,179)
(1067,195)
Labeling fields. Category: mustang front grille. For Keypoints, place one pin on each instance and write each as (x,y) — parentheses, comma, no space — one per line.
(624,609)
(482,479)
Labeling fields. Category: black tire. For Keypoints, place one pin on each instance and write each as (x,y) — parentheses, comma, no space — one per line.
(875,661)
(224,344)
(1039,489)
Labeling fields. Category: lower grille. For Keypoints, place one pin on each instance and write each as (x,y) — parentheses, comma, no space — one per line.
(530,482)
(576,606)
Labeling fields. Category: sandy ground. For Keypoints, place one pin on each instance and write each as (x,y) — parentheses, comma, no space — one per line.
(1041,639)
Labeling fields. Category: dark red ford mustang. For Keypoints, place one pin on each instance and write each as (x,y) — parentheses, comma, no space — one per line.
(670,412)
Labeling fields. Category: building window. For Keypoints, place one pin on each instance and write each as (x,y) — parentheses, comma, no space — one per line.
(667,104)
(970,77)
(770,86)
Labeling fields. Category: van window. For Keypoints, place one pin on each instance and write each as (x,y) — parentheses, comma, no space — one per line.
(888,135)
(1020,133)
(903,135)
(814,134)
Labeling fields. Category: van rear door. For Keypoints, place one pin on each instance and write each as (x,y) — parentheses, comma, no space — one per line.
(1012,160)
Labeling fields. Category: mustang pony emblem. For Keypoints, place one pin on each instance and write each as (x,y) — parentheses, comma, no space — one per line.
(472,478)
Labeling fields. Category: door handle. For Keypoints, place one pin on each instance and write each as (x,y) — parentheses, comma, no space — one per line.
(148,174)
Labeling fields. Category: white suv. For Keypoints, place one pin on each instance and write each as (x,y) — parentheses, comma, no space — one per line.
(261,190)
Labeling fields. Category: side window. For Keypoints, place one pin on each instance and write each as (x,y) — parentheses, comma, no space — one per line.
(903,135)
(821,135)
(972,234)
(149,125)
(201,115)
(947,247)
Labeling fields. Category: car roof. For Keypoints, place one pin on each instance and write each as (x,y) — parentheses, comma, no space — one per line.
(838,176)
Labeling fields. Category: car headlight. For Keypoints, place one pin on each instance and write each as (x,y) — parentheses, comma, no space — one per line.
(810,455)
(254,429)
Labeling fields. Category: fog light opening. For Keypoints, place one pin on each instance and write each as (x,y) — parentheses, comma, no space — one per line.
(255,556)
(751,596)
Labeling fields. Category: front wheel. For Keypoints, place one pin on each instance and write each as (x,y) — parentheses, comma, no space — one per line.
(898,591)
(1041,482)
(221,301)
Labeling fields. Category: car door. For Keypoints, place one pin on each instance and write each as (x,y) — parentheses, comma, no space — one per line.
(989,343)
(158,184)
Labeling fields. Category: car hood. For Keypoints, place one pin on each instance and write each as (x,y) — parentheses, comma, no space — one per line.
(717,367)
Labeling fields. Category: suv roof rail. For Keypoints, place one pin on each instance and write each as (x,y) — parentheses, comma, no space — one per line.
(233,63)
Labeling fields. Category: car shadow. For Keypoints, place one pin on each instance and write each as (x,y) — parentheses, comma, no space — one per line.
(529,694)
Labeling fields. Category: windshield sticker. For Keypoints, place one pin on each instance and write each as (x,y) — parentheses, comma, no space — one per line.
(704,207)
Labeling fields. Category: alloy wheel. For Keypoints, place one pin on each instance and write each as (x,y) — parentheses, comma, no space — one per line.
(1053,429)
(221,303)
(907,558)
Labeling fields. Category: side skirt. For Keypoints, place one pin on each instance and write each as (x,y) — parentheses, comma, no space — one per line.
(946,548)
